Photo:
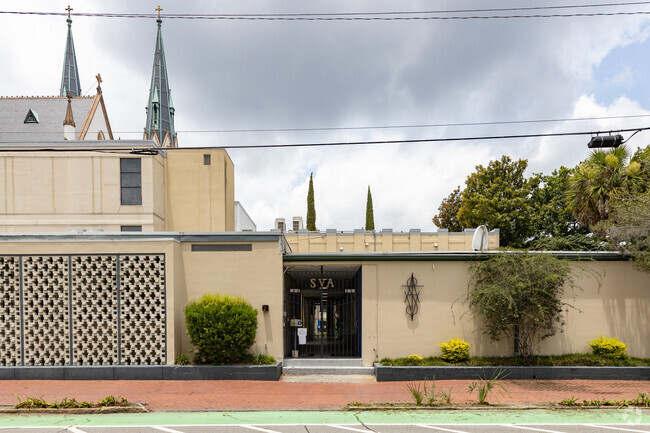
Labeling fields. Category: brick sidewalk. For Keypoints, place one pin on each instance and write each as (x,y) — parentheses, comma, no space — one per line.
(254,395)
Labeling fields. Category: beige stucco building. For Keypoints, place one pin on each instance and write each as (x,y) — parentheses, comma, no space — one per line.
(118,298)
(77,289)
(103,242)
(114,186)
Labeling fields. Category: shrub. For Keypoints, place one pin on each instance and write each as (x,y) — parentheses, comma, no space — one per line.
(221,328)
(608,347)
(414,360)
(455,350)
(263,359)
(182,359)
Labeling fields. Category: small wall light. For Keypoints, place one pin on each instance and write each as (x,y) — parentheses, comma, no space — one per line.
(265,308)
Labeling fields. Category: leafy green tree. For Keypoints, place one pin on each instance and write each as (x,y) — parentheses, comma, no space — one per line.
(554,219)
(447,217)
(499,197)
(519,296)
(628,226)
(311,209)
(370,217)
(602,176)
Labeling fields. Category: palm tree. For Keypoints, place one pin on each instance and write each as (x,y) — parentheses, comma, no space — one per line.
(603,175)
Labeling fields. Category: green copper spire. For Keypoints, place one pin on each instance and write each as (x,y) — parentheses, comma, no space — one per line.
(70,77)
(160,109)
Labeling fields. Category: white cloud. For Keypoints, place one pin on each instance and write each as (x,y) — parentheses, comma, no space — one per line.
(273,75)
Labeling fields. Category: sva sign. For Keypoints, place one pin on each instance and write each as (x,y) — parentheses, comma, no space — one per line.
(324,283)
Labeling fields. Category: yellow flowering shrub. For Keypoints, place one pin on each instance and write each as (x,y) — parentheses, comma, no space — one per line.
(608,347)
(455,350)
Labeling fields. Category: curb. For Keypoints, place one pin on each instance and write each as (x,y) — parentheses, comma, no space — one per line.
(138,408)
(497,406)
(395,374)
(144,372)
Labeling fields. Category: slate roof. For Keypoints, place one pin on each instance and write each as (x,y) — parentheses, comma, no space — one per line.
(50,111)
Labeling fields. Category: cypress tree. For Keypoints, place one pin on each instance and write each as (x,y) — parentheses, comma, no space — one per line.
(370,217)
(311,209)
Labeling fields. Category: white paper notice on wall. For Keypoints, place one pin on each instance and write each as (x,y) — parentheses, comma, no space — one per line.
(302,335)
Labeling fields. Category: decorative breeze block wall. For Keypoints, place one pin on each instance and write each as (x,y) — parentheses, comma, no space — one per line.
(9,311)
(142,309)
(94,310)
(82,310)
(46,319)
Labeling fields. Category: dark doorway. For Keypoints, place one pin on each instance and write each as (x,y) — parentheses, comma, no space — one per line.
(323,302)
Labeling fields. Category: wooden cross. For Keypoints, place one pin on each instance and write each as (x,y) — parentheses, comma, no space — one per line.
(69,9)
(159,9)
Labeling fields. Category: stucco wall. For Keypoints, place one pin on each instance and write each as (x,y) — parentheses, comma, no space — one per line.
(254,275)
(618,308)
(199,197)
(71,188)
(57,191)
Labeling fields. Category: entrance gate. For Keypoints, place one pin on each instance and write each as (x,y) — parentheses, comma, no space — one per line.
(325,306)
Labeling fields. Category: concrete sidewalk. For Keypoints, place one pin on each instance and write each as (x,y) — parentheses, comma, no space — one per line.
(256,395)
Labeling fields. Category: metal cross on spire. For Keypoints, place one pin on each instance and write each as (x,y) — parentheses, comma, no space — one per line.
(69,9)
(159,9)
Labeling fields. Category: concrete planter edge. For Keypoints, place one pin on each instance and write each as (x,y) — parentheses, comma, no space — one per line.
(144,372)
(393,374)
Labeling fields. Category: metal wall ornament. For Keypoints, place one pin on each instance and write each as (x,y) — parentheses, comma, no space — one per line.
(412,296)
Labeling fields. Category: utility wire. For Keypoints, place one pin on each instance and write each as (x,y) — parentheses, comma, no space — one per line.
(370,16)
(367,127)
(429,125)
(371,142)
(433,140)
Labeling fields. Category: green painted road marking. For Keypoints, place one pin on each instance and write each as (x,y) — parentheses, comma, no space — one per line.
(531,416)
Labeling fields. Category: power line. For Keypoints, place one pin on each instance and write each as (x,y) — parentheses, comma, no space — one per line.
(371,142)
(429,125)
(370,16)
(433,140)
(368,127)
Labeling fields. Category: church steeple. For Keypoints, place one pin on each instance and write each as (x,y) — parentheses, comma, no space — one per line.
(70,78)
(160,108)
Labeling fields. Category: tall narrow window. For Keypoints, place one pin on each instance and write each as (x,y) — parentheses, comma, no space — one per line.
(131,181)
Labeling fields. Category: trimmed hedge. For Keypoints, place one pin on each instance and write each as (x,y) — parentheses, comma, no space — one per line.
(221,328)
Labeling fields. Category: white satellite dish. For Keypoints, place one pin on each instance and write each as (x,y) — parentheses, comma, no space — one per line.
(480,239)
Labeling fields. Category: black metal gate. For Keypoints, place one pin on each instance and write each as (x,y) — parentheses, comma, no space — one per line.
(325,306)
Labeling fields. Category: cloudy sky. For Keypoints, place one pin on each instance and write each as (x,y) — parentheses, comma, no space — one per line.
(334,80)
